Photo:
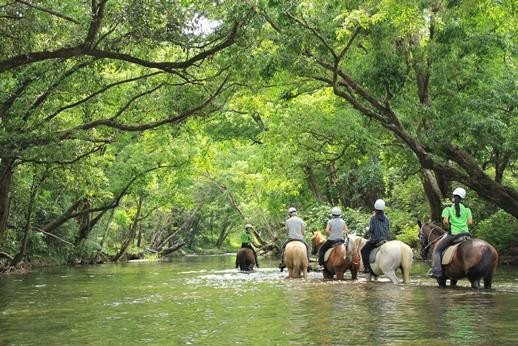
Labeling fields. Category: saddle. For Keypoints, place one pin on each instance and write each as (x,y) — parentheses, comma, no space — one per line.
(449,252)
(330,250)
(372,255)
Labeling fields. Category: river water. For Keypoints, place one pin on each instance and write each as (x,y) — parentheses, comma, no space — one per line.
(204,301)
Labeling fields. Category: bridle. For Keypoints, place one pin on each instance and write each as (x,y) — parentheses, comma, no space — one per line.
(429,236)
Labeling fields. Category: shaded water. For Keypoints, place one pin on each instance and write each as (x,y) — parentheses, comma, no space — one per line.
(202,300)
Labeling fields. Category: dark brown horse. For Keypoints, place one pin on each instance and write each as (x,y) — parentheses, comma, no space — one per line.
(245,259)
(339,261)
(474,258)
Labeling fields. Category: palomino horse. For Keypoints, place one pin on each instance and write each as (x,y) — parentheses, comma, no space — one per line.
(474,258)
(296,259)
(340,258)
(245,259)
(390,256)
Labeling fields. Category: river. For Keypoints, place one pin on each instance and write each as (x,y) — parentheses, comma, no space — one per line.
(204,301)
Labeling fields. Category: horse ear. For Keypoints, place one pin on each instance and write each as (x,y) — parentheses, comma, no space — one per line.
(313,232)
(419,223)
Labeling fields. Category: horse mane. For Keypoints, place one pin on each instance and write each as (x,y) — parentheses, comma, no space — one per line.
(434,226)
(317,235)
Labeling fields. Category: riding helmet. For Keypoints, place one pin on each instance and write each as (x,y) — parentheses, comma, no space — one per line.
(460,192)
(379,204)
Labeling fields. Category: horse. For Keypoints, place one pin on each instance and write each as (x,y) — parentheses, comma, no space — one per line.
(474,258)
(340,258)
(245,259)
(296,259)
(388,257)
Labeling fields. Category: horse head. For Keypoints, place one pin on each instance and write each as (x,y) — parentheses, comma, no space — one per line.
(316,241)
(429,233)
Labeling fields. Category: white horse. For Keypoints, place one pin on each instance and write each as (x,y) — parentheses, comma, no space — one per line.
(391,255)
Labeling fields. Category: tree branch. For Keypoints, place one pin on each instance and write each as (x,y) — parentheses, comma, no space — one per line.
(46,10)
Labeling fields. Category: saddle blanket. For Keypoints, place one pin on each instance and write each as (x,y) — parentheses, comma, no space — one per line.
(448,254)
(329,251)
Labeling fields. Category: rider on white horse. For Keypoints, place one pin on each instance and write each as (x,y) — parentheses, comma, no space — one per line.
(379,230)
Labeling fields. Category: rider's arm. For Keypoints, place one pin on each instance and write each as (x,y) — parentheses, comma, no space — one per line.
(303,229)
(470,218)
(346,230)
(328,229)
(445,222)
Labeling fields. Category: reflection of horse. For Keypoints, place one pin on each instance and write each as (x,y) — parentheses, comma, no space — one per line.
(385,259)
(296,259)
(339,259)
(245,259)
(473,258)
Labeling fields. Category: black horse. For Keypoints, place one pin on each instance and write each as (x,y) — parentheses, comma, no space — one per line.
(245,259)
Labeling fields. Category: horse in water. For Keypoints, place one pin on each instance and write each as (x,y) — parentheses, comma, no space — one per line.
(296,259)
(245,259)
(340,259)
(385,259)
(473,258)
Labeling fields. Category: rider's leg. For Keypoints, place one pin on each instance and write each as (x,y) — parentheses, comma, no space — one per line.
(365,251)
(283,247)
(436,258)
(321,252)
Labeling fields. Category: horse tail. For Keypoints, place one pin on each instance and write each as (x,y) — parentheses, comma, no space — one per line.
(406,261)
(482,268)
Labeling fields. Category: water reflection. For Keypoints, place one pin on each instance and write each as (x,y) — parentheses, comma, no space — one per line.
(203,300)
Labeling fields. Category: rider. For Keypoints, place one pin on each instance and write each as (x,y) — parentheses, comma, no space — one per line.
(246,240)
(335,229)
(379,230)
(456,219)
(295,228)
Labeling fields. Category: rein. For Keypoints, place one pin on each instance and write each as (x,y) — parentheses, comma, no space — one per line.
(428,240)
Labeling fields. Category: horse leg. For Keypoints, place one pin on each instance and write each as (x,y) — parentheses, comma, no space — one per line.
(475,284)
(354,273)
(488,280)
(442,281)
(369,277)
(392,276)
(453,283)
(327,274)
(340,275)
(305,272)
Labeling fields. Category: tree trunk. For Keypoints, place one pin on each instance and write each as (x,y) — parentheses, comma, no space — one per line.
(313,184)
(106,230)
(433,193)
(223,233)
(131,234)
(6,176)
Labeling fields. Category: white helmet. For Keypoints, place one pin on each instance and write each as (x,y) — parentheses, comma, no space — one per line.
(460,192)
(336,211)
(248,226)
(379,204)
(292,211)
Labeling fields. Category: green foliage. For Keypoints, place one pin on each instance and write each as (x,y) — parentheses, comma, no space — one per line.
(500,230)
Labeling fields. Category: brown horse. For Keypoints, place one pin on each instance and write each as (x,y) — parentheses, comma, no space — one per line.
(339,260)
(296,259)
(245,259)
(474,258)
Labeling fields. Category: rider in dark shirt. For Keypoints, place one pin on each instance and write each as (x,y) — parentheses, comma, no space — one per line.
(379,230)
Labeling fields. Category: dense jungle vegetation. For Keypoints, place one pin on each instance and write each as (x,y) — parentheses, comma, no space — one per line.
(153,127)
